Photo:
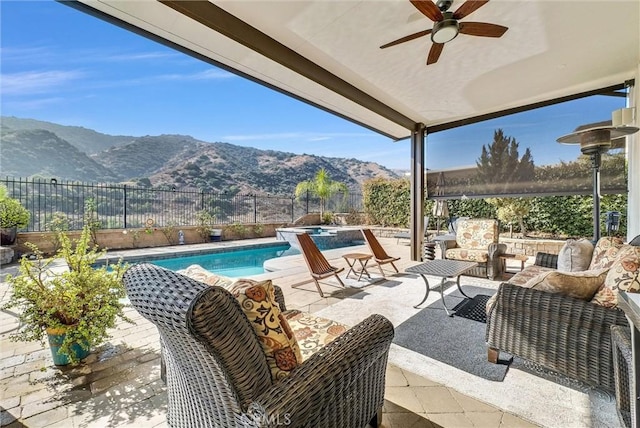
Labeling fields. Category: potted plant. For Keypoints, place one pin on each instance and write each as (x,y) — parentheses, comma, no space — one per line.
(74,305)
(13,216)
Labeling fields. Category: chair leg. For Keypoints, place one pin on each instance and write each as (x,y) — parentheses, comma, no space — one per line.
(381,271)
(376,421)
(318,287)
(492,355)
(340,281)
(394,266)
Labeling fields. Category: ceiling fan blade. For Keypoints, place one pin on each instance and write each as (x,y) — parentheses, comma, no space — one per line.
(428,9)
(434,53)
(482,29)
(469,7)
(406,38)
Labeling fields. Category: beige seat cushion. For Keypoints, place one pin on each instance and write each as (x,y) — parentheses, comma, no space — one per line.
(199,273)
(575,255)
(580,285)
(623,275)
(313,332)
(480,256)
(529,272)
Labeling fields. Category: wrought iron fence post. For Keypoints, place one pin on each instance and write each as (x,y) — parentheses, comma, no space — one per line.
(307,202)
(293,198)
(124,206)
(255,209)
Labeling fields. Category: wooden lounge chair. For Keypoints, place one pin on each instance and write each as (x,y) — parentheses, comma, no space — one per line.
(317,263)
(379,254)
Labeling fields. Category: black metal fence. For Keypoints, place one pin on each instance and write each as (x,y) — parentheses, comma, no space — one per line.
(118,206)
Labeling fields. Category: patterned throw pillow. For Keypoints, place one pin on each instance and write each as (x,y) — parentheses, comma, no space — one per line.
(199,273)
(623,275)
(575,255)
(605,252)
(279,344)
(580,285)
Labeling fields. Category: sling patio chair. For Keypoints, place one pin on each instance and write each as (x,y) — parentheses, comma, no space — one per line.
(316,262)
(379,254)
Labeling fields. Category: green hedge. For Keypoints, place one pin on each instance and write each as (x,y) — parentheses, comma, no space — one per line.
(388,203)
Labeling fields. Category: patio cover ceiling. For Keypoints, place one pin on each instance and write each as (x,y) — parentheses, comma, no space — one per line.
(328,53)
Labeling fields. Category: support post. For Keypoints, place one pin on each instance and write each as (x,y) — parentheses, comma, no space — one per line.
(595,165)
(417,190)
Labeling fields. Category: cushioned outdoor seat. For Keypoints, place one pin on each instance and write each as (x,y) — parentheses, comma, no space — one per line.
(476,241)
(217,371)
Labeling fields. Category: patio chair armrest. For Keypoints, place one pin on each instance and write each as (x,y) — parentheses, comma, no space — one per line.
(279,297)
(547,260)
(496,249)
(343,377)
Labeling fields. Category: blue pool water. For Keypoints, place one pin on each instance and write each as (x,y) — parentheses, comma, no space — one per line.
(234,264)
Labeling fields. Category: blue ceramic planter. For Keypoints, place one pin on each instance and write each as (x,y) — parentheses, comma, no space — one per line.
(56,337)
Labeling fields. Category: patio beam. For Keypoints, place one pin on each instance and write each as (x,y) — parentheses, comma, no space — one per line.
(221,21)
(417,190)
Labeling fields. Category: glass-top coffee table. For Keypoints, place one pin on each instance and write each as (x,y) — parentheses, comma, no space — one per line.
(444,269)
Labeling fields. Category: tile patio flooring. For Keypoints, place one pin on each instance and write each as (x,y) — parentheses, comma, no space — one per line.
(118,385)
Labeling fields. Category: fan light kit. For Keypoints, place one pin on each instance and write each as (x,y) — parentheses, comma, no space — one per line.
(446,25)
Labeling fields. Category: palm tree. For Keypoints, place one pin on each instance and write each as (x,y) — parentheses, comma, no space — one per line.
(321,186)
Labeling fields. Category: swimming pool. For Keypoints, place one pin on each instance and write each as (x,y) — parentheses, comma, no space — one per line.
(234,263)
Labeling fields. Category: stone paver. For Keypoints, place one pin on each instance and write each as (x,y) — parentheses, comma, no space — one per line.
(119,384)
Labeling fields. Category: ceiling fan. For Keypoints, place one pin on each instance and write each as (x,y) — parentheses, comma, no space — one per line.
(446,26)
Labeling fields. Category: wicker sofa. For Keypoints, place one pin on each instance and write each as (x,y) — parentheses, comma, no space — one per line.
(217,374)
(565,334)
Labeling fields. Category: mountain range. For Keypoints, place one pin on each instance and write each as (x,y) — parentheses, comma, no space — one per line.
(32,147)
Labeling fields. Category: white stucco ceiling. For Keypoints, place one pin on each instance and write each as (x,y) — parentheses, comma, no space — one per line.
(552,49)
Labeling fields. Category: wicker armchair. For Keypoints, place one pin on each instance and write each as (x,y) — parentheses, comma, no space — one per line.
(217,374)
(476,241)
(567,335)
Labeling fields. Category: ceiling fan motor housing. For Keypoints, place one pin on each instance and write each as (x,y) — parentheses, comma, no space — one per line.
(446,30)
(444,4)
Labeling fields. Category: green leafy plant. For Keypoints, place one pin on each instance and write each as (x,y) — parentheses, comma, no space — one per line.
(321,186)
(12,213)
(83,300)
(258,229)
(327,217)
(204,224)
(238,229)
(91,221)
(58,225)
(169,232)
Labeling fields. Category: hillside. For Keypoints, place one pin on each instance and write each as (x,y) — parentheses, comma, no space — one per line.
(38,152)
(168,160)
(85,140)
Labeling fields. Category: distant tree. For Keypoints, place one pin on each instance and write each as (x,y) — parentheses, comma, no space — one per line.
(321,186)
(510,210)
(500,162)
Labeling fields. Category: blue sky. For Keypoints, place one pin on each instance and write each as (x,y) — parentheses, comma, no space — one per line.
(63,66)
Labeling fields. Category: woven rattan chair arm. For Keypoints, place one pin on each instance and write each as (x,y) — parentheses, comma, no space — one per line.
(547,260)
(496,249)
(279,297)
(332,386)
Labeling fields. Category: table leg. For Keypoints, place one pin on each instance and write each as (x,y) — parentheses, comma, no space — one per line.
(363,269)
(460,289)
(444,281)
(350,267)
(426,283)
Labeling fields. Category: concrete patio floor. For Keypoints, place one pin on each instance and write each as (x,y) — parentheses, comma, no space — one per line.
(119,384)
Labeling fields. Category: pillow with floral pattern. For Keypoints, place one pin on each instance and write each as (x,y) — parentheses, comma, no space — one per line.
(623,275)
(258,301)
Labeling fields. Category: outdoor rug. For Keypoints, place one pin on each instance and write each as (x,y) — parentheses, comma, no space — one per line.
(473,308)
(456,341)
